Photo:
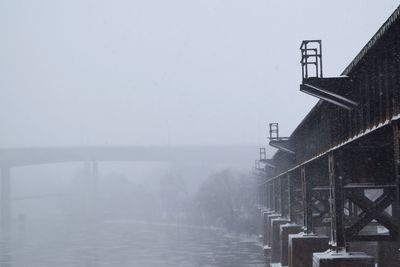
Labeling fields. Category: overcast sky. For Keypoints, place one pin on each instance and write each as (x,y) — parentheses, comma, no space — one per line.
(166,71)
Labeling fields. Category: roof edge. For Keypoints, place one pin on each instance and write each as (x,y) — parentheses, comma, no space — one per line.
(382,30)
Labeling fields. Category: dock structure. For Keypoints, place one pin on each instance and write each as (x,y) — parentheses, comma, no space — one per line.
(330,194)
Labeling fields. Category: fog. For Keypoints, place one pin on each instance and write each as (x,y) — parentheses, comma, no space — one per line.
(158,72)
(192,74)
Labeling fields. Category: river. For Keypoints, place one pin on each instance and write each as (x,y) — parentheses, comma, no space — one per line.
(134,244)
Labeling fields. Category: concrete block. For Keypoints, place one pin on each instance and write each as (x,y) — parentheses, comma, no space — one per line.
(342,259)
(265,226)
(276,238)
(302,246)
(285,231)
(389,254)
(268,227)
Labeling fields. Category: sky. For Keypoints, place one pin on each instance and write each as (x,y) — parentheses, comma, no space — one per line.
(156,72)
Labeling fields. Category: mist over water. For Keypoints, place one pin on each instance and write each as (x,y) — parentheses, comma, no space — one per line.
(124,243)
(140,214)
(205,76)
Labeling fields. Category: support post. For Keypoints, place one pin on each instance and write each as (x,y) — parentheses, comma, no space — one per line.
(336,185)
(5,217)
(272,196)
(284,197)
(277,196)
(264,194)
(5,209)
(396,154)
(307,195)
(388,252)
(267,197)
(91,176)
(94,178)
(291,198)
(278,192)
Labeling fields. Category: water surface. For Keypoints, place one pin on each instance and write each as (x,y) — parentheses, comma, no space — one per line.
(135,244)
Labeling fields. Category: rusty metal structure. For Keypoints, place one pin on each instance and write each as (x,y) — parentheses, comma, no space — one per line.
(338,173)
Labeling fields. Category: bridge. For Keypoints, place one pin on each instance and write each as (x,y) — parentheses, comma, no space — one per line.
(334,183)
(92,156)
(18,157)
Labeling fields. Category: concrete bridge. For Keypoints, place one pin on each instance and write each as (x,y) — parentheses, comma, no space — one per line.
(91,156)
(15,157)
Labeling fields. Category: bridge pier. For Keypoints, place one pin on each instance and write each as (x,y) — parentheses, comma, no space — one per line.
(302,246)
(265,225)
(91,183)
(5,216)
(276,238)
(343,259)
(389,254)
(5,198)
(285,231)
(269,233)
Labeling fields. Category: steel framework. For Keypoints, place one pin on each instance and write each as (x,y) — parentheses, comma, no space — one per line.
(339,171)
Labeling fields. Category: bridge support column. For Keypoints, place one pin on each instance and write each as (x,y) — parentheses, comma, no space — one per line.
(285,231)
(268,233)
(91,177)
(275,238)
(266,248)
(5,198)
(5,217)
(260,219)
(302,246)
(265,225)
(389,254)
(343,259)
(339,255)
